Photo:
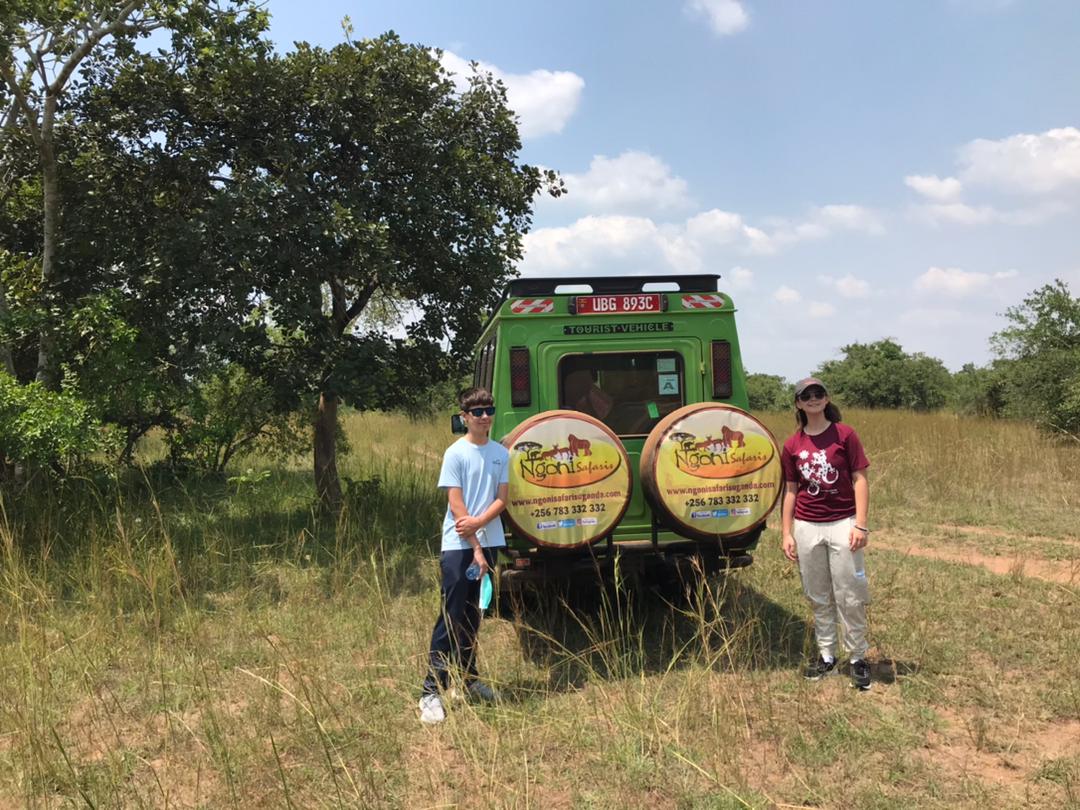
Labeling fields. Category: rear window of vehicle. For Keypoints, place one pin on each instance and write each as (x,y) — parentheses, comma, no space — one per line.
(628,391)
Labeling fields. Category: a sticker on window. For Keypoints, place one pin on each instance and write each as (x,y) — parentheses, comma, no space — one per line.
(665,364)
(668,384)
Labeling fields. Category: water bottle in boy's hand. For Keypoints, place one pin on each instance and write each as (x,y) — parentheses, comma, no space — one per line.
(473,571)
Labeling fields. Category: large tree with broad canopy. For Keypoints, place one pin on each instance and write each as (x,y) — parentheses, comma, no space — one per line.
(369,177)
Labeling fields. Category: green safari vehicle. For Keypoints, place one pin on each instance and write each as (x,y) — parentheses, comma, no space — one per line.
(628,350)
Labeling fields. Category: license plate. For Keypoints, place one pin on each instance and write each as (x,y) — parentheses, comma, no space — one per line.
(614,304)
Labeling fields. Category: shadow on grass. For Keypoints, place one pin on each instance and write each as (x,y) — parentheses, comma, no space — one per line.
(886,670)
(587,631)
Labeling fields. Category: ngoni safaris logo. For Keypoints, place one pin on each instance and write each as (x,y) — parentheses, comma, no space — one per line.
(566,463)
(732,454)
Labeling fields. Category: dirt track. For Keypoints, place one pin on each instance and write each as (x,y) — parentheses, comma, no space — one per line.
(1025,562)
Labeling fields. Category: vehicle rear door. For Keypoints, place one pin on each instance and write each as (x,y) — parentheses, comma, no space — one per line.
(627,383)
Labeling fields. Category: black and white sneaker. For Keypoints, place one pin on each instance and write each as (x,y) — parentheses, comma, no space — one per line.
(480,691)
(819,669)
(860,675)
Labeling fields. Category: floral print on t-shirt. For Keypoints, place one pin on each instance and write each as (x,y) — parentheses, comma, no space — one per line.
(816,471)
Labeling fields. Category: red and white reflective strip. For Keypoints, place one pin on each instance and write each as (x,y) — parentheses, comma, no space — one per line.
(702,301)
(532,306)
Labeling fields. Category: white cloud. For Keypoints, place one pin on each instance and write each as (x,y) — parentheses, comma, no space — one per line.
(958,213)
(820,223)
(630,244)
(1046,164)
(936,188)
(963,214)
(633,181)
(819,309)
(950,281)
(741,278)
(848,286)
(1026,163)
(544,100)
(786,295)
(715,227)
(955,282)
(594,243)
(725,16)
(848,217)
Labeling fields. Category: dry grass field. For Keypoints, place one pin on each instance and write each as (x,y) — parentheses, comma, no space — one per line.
(202,643)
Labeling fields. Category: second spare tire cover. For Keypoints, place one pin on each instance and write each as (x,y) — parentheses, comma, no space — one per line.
(711,470)
(570,479)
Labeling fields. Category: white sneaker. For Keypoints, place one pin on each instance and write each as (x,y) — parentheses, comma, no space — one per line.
(431,710)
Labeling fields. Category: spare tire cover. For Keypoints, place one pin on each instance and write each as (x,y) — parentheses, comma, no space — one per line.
(570,479)
(711,470)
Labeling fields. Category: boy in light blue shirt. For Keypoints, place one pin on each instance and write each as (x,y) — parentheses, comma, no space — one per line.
(475,474)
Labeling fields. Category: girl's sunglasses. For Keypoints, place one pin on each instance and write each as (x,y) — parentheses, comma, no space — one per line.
(485,411)
(811,393)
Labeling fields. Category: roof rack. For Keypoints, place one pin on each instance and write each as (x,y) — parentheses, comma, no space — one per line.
(612,285)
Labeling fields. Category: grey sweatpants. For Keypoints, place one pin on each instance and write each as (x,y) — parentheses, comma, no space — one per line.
(834,580)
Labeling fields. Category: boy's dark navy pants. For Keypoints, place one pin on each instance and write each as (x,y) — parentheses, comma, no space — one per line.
(453,641)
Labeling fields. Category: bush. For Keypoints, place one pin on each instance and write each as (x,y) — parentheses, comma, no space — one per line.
(883,375)
(1040,359)
(228,415)
(768,392)
(978,391)
(43,428)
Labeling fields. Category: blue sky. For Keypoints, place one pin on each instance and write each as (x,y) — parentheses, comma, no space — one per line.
(855,170)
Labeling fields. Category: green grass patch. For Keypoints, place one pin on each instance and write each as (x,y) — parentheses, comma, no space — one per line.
(207,642)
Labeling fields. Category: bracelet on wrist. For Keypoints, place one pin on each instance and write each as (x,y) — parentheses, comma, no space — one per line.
(862,529)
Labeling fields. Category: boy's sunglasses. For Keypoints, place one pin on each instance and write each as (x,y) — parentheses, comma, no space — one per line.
(811,393)
(485,411)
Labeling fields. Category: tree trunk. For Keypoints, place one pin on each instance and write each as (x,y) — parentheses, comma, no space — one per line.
(46,366)
(327,485)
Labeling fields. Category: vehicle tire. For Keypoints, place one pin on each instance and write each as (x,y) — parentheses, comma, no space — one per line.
(570,479)
(711,471)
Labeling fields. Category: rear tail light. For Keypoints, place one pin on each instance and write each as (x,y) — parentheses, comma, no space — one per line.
(520,385)
(721,369)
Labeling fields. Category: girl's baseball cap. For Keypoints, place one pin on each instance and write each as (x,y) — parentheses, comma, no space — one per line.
(802,385)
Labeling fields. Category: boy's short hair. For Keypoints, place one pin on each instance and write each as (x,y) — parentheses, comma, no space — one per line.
(475,398)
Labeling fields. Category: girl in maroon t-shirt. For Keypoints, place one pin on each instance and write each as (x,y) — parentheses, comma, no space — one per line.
(826,498)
